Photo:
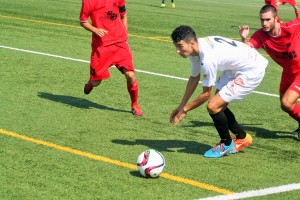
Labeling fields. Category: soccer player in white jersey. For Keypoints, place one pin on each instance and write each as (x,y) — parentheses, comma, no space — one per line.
(243,70)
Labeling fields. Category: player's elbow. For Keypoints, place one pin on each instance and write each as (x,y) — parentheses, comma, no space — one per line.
(82,23)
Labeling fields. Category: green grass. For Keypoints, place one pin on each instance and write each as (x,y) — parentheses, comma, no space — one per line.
(42,98)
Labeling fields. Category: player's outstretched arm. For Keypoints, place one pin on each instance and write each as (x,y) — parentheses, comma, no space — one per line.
(190,88)
(244,32)
(178,117)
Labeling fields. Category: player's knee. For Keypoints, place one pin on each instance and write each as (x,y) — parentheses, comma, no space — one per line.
(130,76)
(211,108)
(286,105)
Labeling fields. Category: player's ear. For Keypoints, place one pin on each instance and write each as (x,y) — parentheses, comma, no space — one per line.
(192,42)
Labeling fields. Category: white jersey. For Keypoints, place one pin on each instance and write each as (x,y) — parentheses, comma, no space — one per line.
(217,53)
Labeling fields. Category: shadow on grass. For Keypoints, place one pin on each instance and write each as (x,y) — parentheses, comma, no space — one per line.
(137,174)
(264,133)
(190,147)
(76,102)
(260,132)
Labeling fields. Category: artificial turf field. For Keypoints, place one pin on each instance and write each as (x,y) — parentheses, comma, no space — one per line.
(57,143)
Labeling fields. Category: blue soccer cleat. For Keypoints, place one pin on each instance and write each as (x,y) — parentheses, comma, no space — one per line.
(219,150)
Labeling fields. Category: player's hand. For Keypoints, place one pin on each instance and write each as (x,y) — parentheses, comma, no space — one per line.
(100,32)
(173,114)
(244,31)
(177,115)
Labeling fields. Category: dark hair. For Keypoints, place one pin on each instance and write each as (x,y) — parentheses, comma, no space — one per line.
(183,32)
(268,8)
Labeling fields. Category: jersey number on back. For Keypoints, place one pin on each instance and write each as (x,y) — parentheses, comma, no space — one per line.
(220,40)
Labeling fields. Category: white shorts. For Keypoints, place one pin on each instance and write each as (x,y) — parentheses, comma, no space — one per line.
(235,86)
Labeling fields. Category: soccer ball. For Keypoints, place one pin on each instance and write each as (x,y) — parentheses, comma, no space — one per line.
(151,163)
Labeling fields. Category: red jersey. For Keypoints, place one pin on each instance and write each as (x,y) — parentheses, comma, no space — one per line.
(284,49)
(105,14)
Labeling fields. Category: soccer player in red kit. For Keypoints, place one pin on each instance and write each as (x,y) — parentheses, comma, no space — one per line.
(109,45)
(282,42)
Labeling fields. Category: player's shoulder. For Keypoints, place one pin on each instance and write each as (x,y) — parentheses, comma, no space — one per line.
(259,34)
(290,24)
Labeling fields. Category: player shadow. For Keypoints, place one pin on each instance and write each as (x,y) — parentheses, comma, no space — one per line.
(267,134)
(190,147)
(76,102)
(260,132)
(199,124)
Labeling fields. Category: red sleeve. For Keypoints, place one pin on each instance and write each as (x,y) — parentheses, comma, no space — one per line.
(255,39)
(85,11)
(122,7)
(293,25)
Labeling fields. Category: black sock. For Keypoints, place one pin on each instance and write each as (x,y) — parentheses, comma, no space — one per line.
(221,124)
(233,125)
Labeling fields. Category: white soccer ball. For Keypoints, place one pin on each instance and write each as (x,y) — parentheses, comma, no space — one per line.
(151,163)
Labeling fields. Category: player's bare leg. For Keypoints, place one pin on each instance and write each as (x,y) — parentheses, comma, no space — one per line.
(88,87)
(289,104)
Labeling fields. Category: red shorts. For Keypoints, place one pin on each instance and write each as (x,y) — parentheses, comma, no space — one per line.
(290,83)
(291,2)
(104,57)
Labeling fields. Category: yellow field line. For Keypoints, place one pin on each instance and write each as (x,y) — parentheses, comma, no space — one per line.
(115,162)
(37,21)
(72,26)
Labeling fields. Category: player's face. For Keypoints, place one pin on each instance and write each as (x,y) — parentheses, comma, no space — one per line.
(267,21)
(183,49)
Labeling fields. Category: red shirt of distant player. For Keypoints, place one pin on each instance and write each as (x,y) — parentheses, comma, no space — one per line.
(284,49)
(105,14)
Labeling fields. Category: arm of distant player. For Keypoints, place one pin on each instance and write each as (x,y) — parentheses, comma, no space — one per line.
(98,31)
(125,21)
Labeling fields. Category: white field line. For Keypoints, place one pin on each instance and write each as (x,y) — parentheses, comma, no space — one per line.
(85,61)
(256,193)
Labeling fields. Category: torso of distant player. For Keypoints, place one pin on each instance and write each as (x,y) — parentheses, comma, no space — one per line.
(271,2)
(105,15)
